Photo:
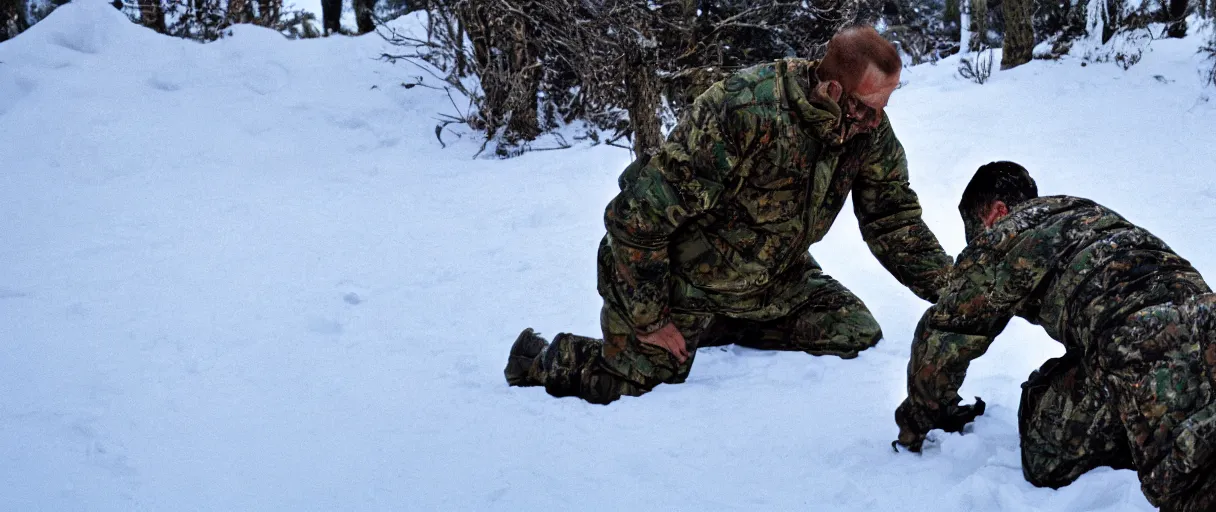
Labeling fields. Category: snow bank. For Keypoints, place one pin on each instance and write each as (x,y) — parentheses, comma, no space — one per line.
(244,276)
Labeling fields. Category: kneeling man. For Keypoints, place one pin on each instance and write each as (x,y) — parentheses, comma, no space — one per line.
(1135,386)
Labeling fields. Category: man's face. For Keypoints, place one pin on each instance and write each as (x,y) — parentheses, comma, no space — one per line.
(864,106)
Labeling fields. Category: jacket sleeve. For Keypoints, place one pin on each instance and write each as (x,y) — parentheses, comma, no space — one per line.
(890,217)
(683,180)
(992,278)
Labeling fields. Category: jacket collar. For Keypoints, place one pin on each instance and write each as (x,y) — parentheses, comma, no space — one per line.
(816,111)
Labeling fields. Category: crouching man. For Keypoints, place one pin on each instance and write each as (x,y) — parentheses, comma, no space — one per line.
(1135,386)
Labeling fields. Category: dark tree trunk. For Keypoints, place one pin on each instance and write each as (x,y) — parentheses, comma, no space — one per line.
(331,16)
(521,100)
(269,12)
(643,88)
(507,61)
(1112,19)
(1177,21)
(1019,33)
(152,15)
(364,9)
(979,22)
(239,11)
(12,19)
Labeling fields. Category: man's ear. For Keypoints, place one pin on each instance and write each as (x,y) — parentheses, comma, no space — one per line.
(996,211)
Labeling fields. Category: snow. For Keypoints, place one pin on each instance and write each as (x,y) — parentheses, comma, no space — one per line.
(245,276)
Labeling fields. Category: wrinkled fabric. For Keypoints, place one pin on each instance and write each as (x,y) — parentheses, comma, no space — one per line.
(835,322)
(720,220)
(1068,426)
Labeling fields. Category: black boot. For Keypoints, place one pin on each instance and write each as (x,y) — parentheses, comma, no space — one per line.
(523,354)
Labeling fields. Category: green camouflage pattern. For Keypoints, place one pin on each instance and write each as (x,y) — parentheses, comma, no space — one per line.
(833,322)
(1068,426)
(720,220)
(712,233)
(1135,386)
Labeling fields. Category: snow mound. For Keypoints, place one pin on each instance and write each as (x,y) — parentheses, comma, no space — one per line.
(85,26)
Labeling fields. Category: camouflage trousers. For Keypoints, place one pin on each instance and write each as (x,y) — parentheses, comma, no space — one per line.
(1141,397)
(833,322)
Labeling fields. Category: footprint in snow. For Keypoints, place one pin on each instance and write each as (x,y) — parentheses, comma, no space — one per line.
(352,292)
(9,293)
(165,84)
(325,326)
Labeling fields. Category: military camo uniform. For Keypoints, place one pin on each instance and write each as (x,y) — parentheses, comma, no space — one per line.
(712,234)
(1135,387)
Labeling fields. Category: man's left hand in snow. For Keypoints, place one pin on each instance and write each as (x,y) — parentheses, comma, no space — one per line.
(916,421)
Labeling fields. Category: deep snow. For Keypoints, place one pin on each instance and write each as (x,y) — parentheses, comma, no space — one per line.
(245,276)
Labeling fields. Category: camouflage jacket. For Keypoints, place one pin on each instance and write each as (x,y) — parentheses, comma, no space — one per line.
(722,217)
(1067,264)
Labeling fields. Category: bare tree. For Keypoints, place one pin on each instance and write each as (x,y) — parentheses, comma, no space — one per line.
(979,21)
(918,29)
(12,19)
(506,55)
(964,26)
(1177,18)
(269,12)
(152,15)
(544,63)
(239,11)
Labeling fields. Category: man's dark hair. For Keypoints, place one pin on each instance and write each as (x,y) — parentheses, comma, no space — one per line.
(1007,182)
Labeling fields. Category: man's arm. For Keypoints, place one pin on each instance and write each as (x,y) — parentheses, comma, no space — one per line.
(993,276)
(683,180)
(890,217)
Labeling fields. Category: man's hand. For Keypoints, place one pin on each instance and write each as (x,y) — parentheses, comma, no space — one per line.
(958,416)
(670,339)
(915,421)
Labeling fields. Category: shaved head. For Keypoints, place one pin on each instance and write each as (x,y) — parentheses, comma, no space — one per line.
(854,51)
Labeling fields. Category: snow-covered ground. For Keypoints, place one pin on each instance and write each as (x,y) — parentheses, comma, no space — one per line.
(245,276)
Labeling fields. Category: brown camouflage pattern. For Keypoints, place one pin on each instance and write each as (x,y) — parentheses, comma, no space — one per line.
(1135,386)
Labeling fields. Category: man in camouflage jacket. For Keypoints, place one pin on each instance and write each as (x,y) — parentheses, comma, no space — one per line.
(1135,386)
(708,240)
